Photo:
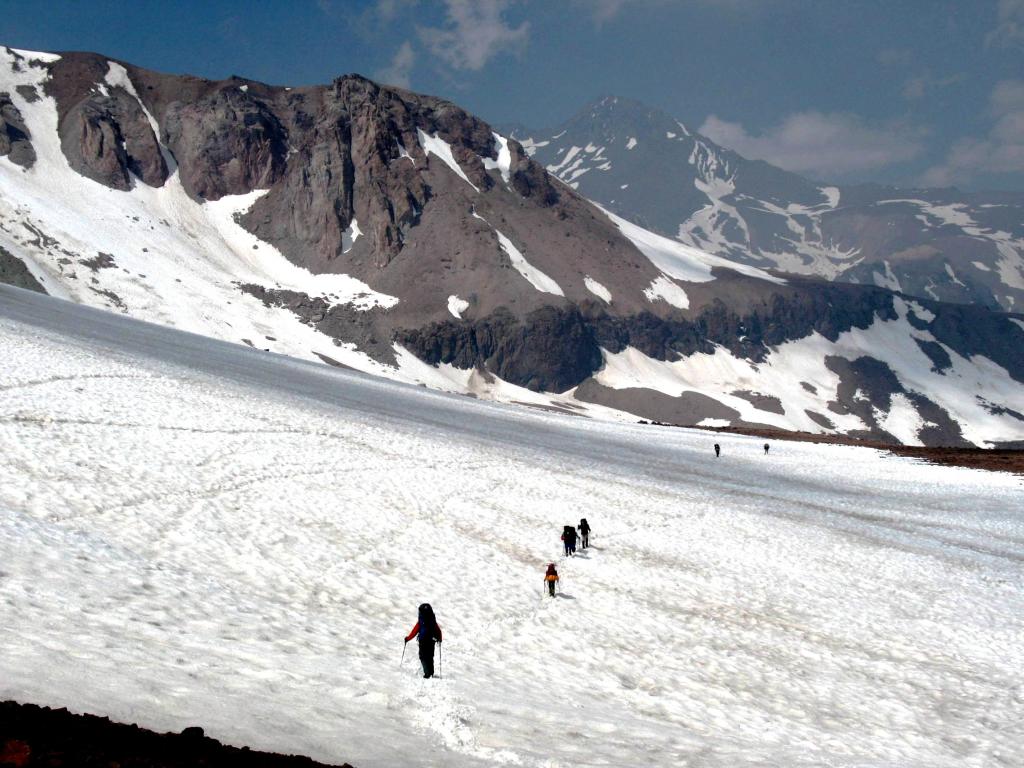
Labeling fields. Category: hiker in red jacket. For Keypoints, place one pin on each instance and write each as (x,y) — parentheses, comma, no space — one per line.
(428,632)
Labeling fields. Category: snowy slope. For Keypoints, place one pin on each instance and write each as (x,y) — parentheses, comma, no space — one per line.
(195,532)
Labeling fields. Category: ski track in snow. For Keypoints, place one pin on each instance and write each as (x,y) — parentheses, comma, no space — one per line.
(193,532)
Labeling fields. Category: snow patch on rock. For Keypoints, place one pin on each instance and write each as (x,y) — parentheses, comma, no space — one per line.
(663,288)
(534,276)
(597,289)
(504,162)
(457,306)
(435,145)
(350,235)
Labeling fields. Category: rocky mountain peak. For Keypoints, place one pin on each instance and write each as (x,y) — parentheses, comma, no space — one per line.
(652,170)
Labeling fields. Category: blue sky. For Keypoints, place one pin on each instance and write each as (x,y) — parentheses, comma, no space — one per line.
(899,91)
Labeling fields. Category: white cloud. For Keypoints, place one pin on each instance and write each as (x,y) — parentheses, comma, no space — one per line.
(823,144)
(398,71)
(1007,96)
(474,32)
(1001,151)
(602,10)
(388,10)
(891,57)
(917,87)
(605,10)
(1009,32)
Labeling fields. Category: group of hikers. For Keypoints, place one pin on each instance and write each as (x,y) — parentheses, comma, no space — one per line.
(718,450)
(569,538)
(428,632)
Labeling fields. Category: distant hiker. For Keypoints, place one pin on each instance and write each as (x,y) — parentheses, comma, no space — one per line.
(551,577)
(428,632)
(766,449)
(569,540)
(584,529)
(718,450)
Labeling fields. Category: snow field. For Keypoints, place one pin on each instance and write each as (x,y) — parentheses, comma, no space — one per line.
(197,533)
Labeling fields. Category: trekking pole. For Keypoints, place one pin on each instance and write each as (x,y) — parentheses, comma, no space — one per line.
(404,646)
(440,660)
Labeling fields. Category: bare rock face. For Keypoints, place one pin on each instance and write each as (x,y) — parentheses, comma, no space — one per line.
(530,179)
(93,144)
(14,272)
(109,139)
(552,349)
(227,143)
(345,143)
(15,141)
(355,149)
(555,349)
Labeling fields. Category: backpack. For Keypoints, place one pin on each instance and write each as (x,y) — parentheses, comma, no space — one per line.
(428,624)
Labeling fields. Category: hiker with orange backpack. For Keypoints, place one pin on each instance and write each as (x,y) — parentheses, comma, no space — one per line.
(551,578)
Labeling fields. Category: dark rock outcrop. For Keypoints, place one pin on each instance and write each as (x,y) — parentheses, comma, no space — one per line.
(687,409)
(559,348)
(226,143)
(15,141)
(342,322)
(553,349)
(14,272)
(970,330)
(40,737)
(109,139)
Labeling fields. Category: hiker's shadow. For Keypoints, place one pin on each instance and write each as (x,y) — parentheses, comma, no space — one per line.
(565,596)
(593,547)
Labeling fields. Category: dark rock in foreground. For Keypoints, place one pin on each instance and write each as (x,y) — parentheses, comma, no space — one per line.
(33,736)
(14,272)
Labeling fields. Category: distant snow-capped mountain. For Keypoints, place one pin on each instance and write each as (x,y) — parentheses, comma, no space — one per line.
(653,170)
(392,232)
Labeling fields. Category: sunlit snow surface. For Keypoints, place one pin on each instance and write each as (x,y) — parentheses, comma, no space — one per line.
(193,532)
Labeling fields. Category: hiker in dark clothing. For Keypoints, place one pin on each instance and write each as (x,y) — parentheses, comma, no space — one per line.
(428,631)
(718,450)
(766,449)
(551,578)
(584,529)
(569,540)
